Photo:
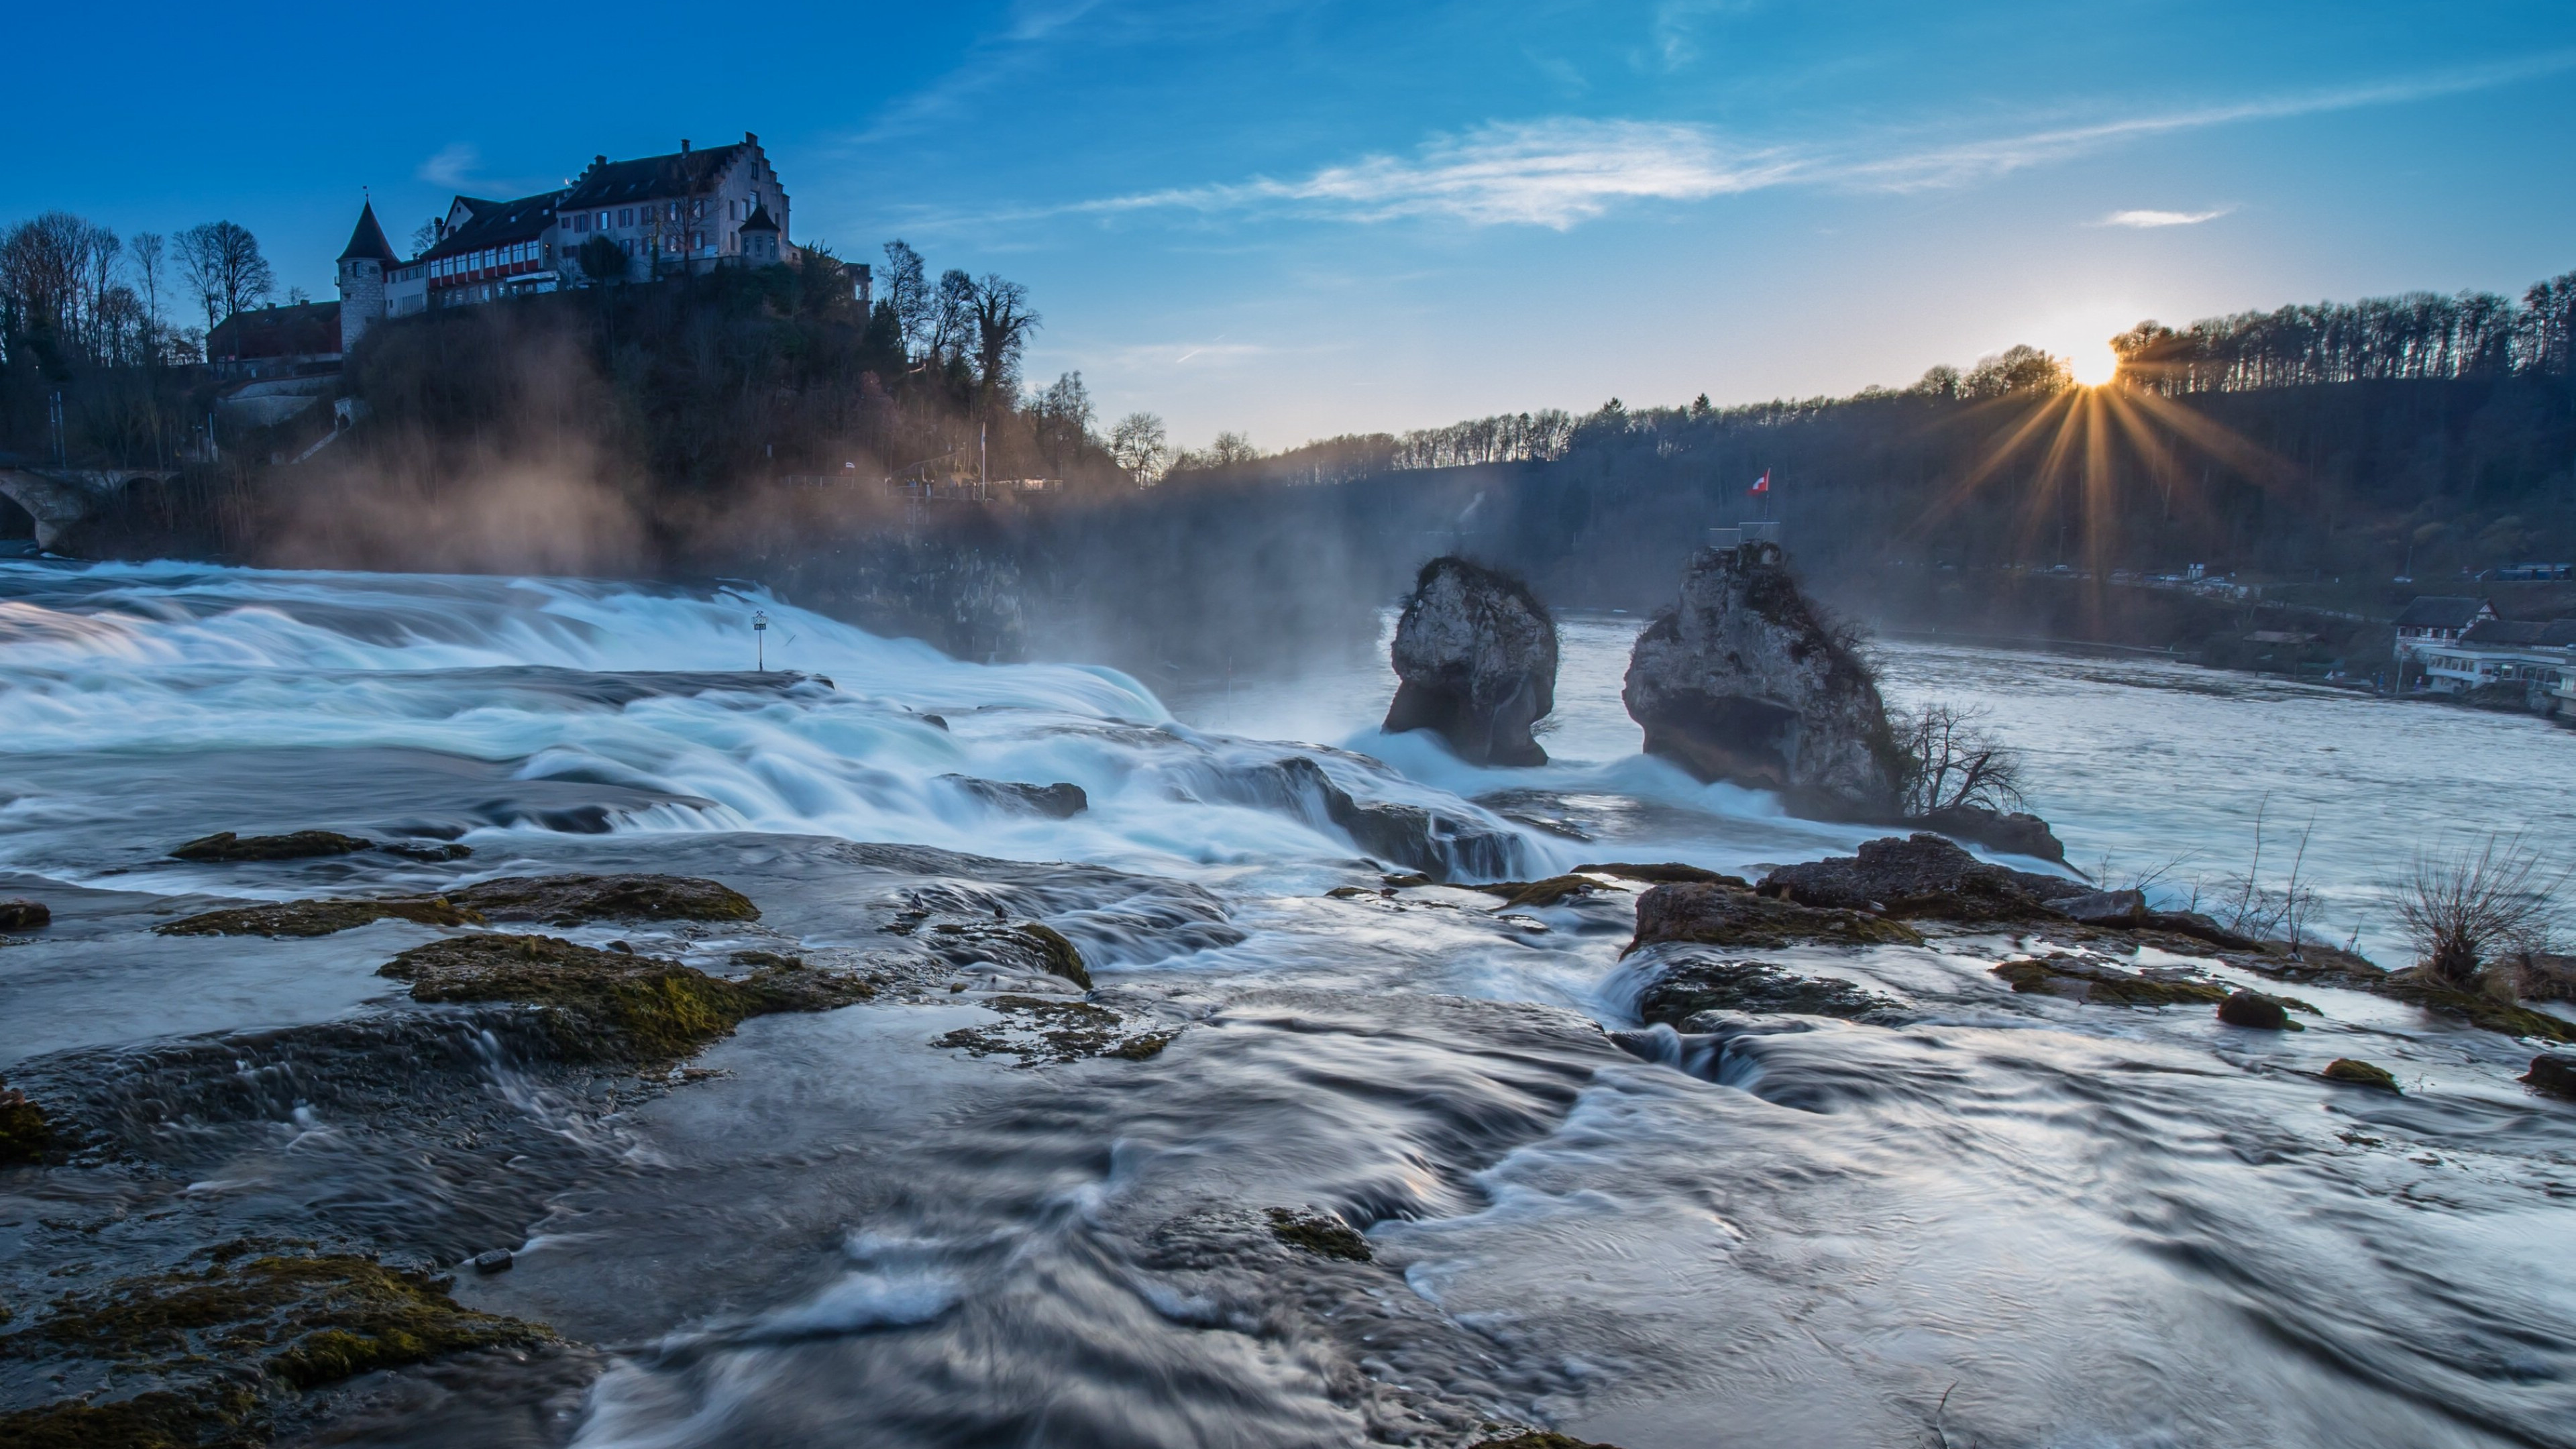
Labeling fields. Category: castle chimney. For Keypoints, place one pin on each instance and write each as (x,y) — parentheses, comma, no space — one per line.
(599,160)
(684,145)
(749,139)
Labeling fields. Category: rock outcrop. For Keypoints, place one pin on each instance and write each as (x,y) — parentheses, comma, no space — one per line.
(572,900)
(1922,875)
(1744,681)
(2097,982)
(224,845)
(1059,801)
(1712,914)
(2011,832)
(319,918)
(1695,984)
(2256,1010)
(1477,653)
(612,1005)
(2555,1075)
(1440,846)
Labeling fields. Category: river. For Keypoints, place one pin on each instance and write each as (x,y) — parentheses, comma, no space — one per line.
(2008,1220)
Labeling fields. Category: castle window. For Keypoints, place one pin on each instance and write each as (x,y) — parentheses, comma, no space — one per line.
(626,216)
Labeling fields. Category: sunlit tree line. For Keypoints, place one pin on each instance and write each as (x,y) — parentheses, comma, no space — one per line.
(2414,337)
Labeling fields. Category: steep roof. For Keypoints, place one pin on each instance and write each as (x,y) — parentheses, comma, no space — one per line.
(2435,611)
(645,178)
(367,243)
(498,223)
(759,220)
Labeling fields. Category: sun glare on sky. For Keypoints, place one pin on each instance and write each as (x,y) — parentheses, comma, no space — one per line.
(2094,365)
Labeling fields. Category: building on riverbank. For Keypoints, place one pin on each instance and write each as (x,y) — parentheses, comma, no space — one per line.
(2427,631)
(2537,656)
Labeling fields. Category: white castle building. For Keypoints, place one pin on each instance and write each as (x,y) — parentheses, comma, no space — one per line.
(690,210)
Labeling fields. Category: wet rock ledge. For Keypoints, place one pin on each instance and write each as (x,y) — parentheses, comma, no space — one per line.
(234,1339)
(556,900)
(611,1005)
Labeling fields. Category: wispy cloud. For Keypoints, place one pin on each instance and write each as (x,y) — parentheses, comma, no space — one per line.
(1561,171)
(1676,26)
(1962,163)
(451,167)
(1550,173)
(2149,220)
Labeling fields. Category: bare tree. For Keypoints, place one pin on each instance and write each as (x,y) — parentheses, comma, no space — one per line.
(1003,322)
(100,251)
(150,251)
(43,264)
(1138,444)
(1064,417)
(2460,908)
(908,292)
(952,316)
(1954,763)
(222,265)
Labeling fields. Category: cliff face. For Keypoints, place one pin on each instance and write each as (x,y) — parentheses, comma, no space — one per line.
(1743,681)
(1477,654)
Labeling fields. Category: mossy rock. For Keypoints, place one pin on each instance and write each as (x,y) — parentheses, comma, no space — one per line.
(2359,1074)
(2077,979)
(294,845)
(159,1419)
(319,918)
(613,1005)
(25,1135)
(1548,892)
(2257,1012)
(2480,1009)
(573,900)
(1320,1234)
(2554,1075)
(21,915)
(1059,955)
(233,1337)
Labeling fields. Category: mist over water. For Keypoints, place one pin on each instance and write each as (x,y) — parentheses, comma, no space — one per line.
(2083,1225)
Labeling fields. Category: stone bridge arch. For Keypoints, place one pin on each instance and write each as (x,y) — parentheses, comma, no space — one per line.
(59,500)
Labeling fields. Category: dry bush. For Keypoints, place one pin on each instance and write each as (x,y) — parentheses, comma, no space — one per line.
(1953,762)
(2461,908)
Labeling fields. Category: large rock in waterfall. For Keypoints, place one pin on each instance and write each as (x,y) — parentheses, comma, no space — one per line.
(1744,681)
(1477,653)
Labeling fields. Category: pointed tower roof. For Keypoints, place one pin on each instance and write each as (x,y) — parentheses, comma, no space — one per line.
(759,220)
(367,243)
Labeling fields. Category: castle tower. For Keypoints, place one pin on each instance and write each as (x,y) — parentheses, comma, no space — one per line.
(362,278)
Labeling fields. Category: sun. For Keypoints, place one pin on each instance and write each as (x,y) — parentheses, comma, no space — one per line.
(2095,365)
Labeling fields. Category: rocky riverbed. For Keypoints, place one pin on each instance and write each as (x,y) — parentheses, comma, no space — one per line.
(594,1072)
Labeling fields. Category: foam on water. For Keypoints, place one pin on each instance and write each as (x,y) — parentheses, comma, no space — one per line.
(644,690)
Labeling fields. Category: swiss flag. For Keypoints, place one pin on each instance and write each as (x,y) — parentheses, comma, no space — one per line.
(1763,483)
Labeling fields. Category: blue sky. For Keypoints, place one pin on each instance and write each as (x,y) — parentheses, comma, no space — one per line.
(1302,219)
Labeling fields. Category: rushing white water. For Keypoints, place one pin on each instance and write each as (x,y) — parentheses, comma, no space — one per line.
(2006,1220)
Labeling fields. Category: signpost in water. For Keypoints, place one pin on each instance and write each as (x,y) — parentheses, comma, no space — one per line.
(760,640)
